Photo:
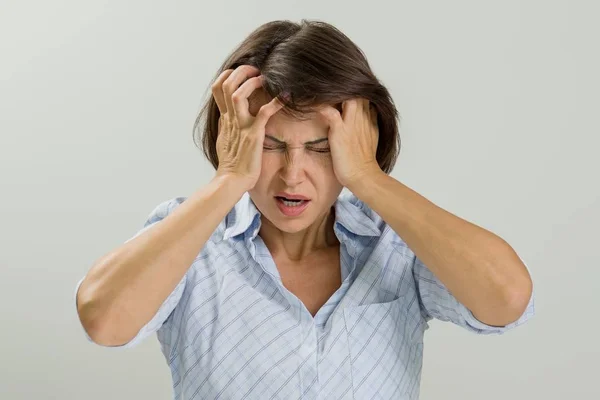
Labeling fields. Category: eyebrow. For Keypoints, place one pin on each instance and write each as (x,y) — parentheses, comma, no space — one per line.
(309,142)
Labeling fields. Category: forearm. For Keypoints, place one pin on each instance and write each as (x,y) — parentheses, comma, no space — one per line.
(125,288)
(479,268)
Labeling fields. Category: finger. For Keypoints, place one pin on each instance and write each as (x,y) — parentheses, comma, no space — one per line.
(234,81)
(363,112)
(217,90)
(373,113)
(267,111)
(240,97)
(367,108)
(349,108)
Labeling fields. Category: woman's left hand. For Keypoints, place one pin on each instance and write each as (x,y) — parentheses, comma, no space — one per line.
(353,138)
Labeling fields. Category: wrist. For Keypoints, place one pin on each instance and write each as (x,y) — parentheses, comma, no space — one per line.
(361,183)
(234,182)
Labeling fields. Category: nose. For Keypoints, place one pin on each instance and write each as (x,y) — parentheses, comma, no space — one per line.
(292,172)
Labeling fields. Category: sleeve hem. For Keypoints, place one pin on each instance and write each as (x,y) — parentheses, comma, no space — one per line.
(485,328)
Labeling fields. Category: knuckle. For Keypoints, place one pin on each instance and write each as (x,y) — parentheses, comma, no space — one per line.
(227,86)
(248,67)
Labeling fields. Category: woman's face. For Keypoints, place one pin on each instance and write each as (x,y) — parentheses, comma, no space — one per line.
(295,161)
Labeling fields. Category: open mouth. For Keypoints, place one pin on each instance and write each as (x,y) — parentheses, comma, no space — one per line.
(291,202)
(291,207)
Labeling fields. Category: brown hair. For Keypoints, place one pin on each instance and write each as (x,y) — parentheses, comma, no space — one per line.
(316,64)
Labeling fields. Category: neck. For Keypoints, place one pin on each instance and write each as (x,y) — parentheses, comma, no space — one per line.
(297,246)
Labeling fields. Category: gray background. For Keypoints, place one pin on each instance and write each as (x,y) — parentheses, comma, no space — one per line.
(499,104)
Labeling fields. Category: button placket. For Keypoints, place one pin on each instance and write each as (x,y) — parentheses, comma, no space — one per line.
(308,353)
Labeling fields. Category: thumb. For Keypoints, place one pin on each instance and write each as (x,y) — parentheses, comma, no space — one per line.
(332,117)
(267,111)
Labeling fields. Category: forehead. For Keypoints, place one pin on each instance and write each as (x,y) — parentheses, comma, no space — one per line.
(284,126)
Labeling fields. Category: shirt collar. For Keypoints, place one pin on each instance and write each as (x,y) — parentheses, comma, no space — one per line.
(244,218)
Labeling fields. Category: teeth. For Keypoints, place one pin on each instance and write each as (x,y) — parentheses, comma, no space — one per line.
(292,203)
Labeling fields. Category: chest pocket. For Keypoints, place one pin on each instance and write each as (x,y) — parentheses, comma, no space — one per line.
(385,345)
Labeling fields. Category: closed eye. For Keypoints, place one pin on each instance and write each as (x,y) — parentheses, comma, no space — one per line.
(320,150)
(314,149)
(272,147)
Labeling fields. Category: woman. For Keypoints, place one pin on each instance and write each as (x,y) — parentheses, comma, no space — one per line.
(267,283)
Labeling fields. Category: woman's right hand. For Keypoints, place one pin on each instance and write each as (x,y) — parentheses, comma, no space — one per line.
(241,135)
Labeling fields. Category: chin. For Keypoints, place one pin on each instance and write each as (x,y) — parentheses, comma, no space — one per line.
(289,225)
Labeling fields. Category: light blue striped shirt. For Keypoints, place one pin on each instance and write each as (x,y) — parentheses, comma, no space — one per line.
(231,330)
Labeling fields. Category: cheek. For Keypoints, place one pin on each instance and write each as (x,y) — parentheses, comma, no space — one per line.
(324,161)
(270,163)
(269,166)
(325,175)
(323,165)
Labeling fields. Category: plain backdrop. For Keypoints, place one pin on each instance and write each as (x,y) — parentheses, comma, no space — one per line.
(499,121)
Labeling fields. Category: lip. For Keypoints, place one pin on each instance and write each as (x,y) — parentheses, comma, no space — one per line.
(291,211)
(291,196)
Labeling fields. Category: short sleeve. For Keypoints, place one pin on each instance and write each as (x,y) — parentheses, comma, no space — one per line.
(436,301)
(167,307)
